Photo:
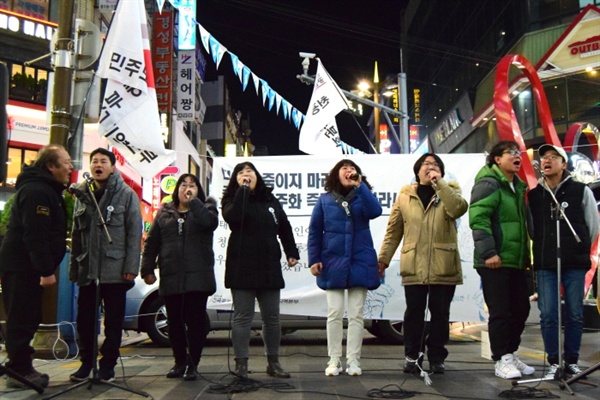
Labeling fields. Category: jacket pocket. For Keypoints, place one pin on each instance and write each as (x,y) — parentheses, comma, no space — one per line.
(81,221)
(445,259)
(116,254)
(408,259)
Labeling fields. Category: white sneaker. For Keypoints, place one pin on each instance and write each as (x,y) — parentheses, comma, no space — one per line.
(551,371)
(334,367)
(506,369)
(353,368)
(521,366)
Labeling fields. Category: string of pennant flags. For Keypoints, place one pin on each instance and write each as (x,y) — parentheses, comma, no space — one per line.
(270,98)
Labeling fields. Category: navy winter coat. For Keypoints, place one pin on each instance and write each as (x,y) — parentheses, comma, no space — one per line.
(342,242)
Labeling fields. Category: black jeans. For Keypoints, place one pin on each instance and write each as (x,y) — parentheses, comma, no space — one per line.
(188,326)
(112,296)
(437,299)
(22,295)
(506,294)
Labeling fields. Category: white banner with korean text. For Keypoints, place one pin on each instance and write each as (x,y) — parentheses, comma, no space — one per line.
(298,182)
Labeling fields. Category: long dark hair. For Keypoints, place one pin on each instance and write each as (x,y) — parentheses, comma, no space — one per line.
(498,149)
(332,181)
(182,178)
(233,185)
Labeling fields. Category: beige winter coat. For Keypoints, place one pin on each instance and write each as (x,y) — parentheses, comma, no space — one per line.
(429,253)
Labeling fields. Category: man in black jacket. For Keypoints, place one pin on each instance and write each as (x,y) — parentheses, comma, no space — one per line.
(579,206)
(34,245)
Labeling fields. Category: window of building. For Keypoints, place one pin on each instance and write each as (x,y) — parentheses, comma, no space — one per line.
(28,83)
(584,97)
(17,157)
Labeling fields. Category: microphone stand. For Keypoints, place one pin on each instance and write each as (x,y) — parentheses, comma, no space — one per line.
(95,380)
(558,213)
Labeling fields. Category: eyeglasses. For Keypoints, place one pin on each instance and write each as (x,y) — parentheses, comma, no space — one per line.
(551,158)
(513,152)
(430,164)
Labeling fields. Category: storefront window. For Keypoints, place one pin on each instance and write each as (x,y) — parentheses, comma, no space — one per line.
(556,93)
(17,157)
(584,97)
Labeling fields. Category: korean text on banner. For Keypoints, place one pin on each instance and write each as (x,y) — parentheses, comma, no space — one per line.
(319,134)
(129,116)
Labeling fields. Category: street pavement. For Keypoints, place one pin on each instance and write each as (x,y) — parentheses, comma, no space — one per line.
(304,355)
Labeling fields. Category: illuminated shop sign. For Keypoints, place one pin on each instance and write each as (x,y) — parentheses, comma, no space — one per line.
(26,26)
(586,48)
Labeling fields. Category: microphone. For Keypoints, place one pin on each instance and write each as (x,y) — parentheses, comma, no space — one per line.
(245,184)
(88,178)
(433,180)
(355,176)
(74,191)
(536,166)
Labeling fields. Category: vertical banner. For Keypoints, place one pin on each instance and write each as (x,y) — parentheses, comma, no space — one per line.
(187,27)
(319,133)
(129,115)
(163,59)
(186,85)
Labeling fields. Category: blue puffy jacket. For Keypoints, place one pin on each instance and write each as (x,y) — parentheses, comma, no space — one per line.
(342,240)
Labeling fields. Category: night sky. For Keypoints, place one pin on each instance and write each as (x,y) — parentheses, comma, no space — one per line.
(348,37)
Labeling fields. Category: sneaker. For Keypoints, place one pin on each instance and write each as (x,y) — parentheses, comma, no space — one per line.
(506,368)
(551,372)
(81,374)
(522,367)
(106,375)
(353,368)
(334,367)
(34,377)
(572,369)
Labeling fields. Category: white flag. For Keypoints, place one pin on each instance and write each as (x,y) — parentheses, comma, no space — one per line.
(129,116)
(319,133)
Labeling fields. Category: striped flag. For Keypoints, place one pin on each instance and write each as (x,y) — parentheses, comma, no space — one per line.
(129,116)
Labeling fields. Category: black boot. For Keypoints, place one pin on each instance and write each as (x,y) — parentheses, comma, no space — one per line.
(177,371)
(191,372)
(275,369)
(241,368)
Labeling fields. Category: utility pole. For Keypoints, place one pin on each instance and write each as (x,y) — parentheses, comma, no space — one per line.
(403,101)
(60,114)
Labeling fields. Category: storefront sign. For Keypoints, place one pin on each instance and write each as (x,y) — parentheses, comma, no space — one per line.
(163,59)
(186,84)
(26,26)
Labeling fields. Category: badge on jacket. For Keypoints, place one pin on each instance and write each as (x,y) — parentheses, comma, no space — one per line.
(42,210)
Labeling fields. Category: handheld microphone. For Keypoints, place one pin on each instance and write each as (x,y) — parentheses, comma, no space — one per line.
(355,176)
(245,184)
(433,180)
(88,178)
(74,191)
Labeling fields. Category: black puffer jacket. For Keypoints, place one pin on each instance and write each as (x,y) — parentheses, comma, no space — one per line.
(181,246)
(253,252)
(37,229)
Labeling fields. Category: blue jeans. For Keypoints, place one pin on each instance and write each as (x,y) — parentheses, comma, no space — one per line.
(573,282)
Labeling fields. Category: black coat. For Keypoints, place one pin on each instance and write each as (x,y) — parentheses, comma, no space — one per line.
(184,257)
(253,251)
(35,240)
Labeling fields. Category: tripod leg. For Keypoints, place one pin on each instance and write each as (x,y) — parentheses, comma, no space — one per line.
(20,378)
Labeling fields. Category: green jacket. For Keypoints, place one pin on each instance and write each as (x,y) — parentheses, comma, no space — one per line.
(497,217)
